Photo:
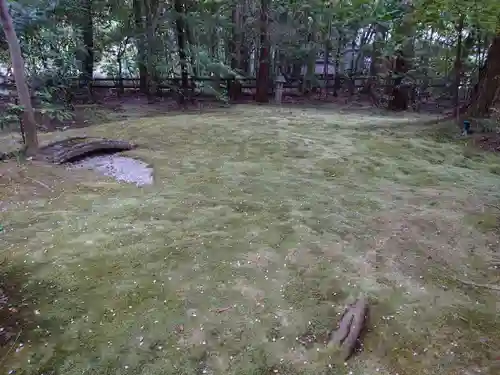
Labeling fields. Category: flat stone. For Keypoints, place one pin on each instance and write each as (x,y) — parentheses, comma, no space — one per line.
(121,168)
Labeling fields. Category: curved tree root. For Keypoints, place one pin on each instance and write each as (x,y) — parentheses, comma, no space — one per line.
(477,285)
(77,147)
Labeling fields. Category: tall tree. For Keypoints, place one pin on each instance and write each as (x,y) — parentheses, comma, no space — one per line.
(180,25)
(403,59)
(245,42)
(152,15)
(88,42)
(487,89)
(235,46)
(262,95)
(458,64)
(29,123)
(140,32)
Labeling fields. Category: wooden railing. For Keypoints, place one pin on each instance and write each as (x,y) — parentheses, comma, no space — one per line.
(197,84)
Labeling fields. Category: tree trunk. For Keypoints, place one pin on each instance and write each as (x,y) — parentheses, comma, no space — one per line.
(376,61)
(119,59)
(297,68)
(121,88)
(245,45)
(309,73)
(326,65)
(235,49)
(352,70)
(141,46)
(152,14)
(235,42)
(403,59)
(261,95)
(29,123)
(88,42)
(338,56)
(376,54)
(399,99)
(326,62)
(191,44)
(485,92)
(192,56)
(181,43)
(458,67)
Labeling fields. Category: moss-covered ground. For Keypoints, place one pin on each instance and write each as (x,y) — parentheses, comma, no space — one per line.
(261,224)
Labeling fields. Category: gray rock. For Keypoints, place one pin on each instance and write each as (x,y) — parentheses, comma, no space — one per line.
(121,168)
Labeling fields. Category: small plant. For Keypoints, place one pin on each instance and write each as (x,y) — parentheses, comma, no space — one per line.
(487,125)
(49,109)
(11,116)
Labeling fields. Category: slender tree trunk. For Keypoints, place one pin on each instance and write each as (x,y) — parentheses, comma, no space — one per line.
(214,43)
(458,67)
(353,55)
(180,25)
(338,54)
(297,68)
(245,45)
(403,59)
(235,42)
(352,70)
(191,44)
(399,100)
(119,59)
(88,42)
(152,14)
(192,55)
(282,62)
(29,123)
(376,61)
(486,91)
(141,46)
(376,52)
(326,62)
(235,49)
(309,73)
(262,94)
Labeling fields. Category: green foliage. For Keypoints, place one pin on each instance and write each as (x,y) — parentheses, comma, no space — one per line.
(49,108)
(51,34)
(443,14)
(11,116)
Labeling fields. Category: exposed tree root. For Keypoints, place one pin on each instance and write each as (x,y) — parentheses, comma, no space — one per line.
(349,328)
(477,285)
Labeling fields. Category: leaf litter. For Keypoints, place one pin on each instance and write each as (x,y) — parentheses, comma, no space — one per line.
(281,224)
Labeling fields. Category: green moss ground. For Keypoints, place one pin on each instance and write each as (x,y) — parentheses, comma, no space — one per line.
(277,217)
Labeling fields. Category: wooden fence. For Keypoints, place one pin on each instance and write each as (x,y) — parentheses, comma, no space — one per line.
(213,86)
(246,83)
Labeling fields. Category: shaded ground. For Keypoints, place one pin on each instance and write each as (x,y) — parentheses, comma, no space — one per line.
(261,223)
(490,142)
(109,107)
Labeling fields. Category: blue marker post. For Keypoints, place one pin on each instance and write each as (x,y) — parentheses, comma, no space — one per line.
(466,127)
